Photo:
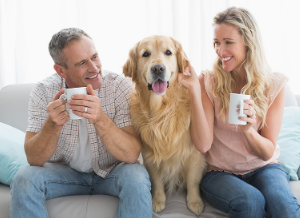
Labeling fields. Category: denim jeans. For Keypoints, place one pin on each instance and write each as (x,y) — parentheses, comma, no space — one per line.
(33,185)
(262,193)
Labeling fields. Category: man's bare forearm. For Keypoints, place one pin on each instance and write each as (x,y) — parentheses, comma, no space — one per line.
(123,144)
(40,147)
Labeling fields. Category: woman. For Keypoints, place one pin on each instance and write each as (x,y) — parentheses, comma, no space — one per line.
(244,178)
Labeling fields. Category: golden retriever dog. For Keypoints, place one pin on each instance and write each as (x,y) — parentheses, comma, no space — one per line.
(161,114)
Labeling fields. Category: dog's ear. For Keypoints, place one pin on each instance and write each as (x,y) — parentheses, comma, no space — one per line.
(130,67)
(182,59)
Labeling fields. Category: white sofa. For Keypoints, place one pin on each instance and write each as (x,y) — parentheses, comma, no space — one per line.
(13,111)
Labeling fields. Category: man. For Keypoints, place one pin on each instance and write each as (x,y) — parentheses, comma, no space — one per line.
(95,155)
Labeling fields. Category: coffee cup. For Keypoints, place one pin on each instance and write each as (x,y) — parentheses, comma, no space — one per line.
(235,100)
(67,96)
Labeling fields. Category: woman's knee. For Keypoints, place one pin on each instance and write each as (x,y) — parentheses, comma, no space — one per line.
(250,200)
(283,206)
(232,195)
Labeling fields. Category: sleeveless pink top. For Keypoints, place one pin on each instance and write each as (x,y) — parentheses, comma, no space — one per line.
(230,151)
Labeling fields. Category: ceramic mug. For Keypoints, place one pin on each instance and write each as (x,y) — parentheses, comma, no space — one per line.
(67,96)
(235,100)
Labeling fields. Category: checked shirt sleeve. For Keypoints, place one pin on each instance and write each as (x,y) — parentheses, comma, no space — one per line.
(122,101)
(37,111)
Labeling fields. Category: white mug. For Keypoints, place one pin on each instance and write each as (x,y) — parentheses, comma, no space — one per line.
(67,96)
(235,100)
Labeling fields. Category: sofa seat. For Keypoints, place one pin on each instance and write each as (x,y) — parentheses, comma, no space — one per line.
(103,206)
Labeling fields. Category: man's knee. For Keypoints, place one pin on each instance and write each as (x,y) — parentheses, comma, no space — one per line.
(134,174)
(24,179)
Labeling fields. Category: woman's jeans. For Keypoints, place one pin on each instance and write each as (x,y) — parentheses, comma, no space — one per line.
(32,186)
(262,193)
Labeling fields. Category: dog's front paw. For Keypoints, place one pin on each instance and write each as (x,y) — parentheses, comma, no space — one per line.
(158,205)
(196,206)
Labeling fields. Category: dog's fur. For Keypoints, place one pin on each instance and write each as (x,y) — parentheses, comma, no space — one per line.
(163,120)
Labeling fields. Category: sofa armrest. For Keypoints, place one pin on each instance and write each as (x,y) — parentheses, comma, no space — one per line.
(290,99)
(298,99)
(14,100)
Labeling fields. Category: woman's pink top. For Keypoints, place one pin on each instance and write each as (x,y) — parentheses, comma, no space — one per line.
(230,151)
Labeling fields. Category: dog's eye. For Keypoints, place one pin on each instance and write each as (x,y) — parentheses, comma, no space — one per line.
(168,52)
(146,54)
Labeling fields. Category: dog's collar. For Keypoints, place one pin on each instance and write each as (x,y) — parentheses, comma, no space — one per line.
(150,86)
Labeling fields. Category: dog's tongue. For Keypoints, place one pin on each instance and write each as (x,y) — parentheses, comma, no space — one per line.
(159,86)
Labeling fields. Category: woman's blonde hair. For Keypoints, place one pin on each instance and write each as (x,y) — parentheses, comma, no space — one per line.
(258,73)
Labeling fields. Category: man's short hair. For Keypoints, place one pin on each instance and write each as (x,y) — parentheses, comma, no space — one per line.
(60,40)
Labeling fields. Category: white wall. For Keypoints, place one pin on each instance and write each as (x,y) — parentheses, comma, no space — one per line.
(26,27)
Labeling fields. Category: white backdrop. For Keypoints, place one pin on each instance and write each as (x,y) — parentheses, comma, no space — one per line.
(26,27)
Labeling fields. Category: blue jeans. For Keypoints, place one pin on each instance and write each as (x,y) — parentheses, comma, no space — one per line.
(32,186)
(262,193)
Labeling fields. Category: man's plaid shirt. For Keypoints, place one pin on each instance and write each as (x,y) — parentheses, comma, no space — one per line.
(114,96)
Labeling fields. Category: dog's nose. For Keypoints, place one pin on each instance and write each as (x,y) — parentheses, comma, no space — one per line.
(158,68)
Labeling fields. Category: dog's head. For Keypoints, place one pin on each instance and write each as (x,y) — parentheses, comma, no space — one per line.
(154,62)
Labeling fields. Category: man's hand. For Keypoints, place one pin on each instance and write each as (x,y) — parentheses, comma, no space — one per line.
(57,109)
(40,147)
(90,101)
(123,144)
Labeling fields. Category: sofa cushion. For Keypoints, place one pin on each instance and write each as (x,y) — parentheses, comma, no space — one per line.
(12,155)
(4,200)
(289,141)
(98,206)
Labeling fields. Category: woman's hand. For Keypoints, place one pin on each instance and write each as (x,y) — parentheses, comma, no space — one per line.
(251,115)
(189,79)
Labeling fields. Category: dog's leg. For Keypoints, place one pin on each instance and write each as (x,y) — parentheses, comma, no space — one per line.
(158,193)
(195,170)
